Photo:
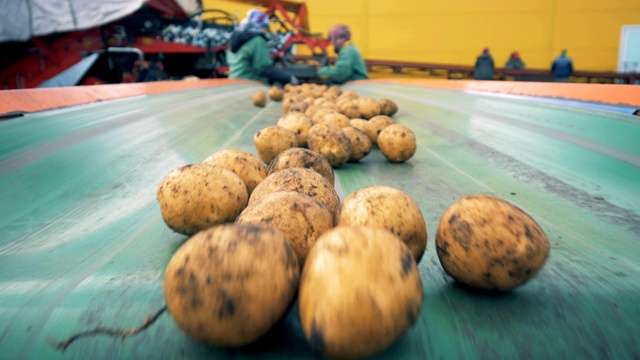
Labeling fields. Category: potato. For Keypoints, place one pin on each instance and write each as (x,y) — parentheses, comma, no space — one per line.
(488,243)
(368,107)
(360,143)
(273,140)
(275,93)
(386,208)
(349,108)
(320,113)
(287,101)
(330,142)
(259,98)
(388,107)
(297,122)
(300,217)
(198,196)
(336,119)
(243,163)
(397,143)
(362,125)
(311,110)
(376,125)
(298,106)
(228,285)
(302,180)
(360,291)
(302,158)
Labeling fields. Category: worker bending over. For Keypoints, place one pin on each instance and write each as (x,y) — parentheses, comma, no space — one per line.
(349,64)
(248,55)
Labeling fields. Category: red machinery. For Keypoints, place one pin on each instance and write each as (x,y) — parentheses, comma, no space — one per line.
(142,47)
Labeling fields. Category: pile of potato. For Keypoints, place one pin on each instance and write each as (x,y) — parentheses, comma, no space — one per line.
(264,229)
(339,124)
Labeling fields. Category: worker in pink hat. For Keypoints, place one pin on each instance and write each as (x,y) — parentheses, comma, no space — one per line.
(249,56)
(349,65)
(484,66)
(514,62)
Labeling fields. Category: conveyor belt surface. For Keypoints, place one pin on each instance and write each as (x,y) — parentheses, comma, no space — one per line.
(82,242)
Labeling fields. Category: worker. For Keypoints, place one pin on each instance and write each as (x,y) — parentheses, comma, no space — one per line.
(349,65)
(484,66)
(248,55)
(514,62)
(562,67)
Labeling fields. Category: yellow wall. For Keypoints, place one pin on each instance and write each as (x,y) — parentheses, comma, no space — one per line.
(455,31)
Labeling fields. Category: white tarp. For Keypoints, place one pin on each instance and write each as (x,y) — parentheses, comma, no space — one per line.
(22,19)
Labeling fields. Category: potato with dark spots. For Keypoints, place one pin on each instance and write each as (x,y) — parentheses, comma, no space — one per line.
(198,196)
(320,113)
(362,125)
(360,291)
(388,107)
(275,93)
(349,108)
(273,140)
(397,143)
(331,142)
(300,217)
(488,243)
(302,180)
(368,107)
(228,285)
(336,119)
(302,158)
(259,98)
(243,163)
(297,122)
(360,143)
(386,208)
(376,125)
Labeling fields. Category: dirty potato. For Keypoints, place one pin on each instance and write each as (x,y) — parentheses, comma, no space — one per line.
(228,285)
(300,217)
(273,140)
(297,122)
(368,107)
(360,143)
(275,93)
(488,243)
(302,158)
(336,119)
(243,163)
(386,208)
(259,98)
(302,180)
(360,291)
(397,143)
(376,125)
(331,142)
(388,107)
(198,196)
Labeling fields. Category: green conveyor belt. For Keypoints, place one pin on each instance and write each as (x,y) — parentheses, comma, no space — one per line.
(82,242)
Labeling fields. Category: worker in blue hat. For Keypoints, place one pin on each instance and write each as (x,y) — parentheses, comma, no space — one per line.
(349,65)
(248,55)
(562,67)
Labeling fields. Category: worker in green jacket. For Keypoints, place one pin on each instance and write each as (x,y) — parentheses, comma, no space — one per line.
(248,55)
(349,64)
(514,62)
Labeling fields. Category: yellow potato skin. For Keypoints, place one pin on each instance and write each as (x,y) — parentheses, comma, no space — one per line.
(259,98)
(360,291)
(273,140)
(376,125)
(360,143)
(330,142)
(195,197)
(302,158)
(302,180)
(488,243)
(388,208)
(228,285)
(301,218)
(243,163)
(397,143)
(299,123)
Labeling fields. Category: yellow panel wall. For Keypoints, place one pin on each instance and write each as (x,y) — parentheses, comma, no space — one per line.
(455,31)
